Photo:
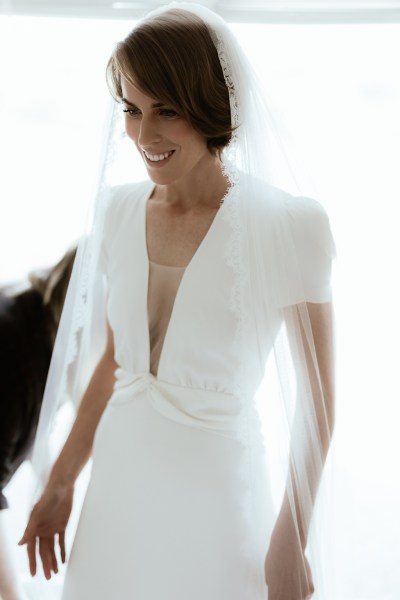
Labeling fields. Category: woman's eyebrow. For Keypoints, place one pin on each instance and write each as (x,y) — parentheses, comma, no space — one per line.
(154,105)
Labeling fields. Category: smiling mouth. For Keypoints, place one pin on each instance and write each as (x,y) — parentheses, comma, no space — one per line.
(155,158)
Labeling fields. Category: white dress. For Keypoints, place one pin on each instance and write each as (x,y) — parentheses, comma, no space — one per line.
(169,514)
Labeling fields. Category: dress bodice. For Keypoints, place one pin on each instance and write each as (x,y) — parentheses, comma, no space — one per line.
(200,348)
(164,282)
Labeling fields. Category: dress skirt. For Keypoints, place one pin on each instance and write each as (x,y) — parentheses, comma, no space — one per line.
(164,516)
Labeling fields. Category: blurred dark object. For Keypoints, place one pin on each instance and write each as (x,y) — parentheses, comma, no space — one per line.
(28,325)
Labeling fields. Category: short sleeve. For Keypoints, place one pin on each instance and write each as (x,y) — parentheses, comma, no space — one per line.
(117,202)
(105,231)
(314,247)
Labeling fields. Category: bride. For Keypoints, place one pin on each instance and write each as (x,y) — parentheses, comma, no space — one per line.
(205,270)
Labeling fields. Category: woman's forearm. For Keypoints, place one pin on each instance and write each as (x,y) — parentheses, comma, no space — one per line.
(304,475)
(78,447)
(314,417)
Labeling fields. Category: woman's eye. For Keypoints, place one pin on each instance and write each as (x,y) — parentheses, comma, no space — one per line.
(167,112)
(164,112)
(132,112)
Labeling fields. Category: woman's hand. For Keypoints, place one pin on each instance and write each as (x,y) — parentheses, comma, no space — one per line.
(287,571)
(49,517)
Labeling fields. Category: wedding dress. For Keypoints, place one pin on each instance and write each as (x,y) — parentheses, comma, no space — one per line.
(185,488)
(179,505)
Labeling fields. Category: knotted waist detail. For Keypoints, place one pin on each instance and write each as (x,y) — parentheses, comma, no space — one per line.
(210,410)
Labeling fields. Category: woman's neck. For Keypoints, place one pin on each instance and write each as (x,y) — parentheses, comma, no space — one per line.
(204,186)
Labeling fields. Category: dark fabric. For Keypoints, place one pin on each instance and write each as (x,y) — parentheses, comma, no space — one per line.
(25,353)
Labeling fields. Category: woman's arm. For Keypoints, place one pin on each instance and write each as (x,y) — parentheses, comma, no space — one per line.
(320,374)
(51,513)
(287,571)
(78,447)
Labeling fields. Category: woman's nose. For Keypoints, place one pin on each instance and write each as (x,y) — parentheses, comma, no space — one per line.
(148,132)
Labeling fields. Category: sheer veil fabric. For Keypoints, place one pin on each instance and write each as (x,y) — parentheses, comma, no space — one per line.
(280,253)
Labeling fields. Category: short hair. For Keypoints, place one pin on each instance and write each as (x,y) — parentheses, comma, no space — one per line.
(172,58)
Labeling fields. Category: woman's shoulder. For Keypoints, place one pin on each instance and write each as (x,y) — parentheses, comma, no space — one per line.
(310,225)
(129,193)
(267,197)
(305,215)
(124,200)
(306,212)
(296,236)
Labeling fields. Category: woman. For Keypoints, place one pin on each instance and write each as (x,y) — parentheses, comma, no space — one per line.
(207,269)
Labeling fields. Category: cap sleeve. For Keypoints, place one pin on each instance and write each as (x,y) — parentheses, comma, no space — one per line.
(112,212)
(314,247)
(118,200)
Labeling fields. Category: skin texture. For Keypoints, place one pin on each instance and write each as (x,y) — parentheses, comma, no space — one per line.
(158,129)
(188,188)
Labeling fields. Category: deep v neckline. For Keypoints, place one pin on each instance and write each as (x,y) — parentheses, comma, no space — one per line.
(181,287)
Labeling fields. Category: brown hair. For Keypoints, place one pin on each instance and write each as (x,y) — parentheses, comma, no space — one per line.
(172,58)
(52,286)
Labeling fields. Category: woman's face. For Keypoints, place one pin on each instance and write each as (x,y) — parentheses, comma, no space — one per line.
(168,144)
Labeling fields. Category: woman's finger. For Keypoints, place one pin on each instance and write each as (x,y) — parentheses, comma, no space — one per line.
(26,537)
(45,555)
(61,541)
(54,564)
(23,540)
(32,556)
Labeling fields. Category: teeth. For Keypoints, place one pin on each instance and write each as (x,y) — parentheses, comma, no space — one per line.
(157,157)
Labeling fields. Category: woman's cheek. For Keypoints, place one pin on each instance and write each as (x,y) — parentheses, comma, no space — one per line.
(131,129)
